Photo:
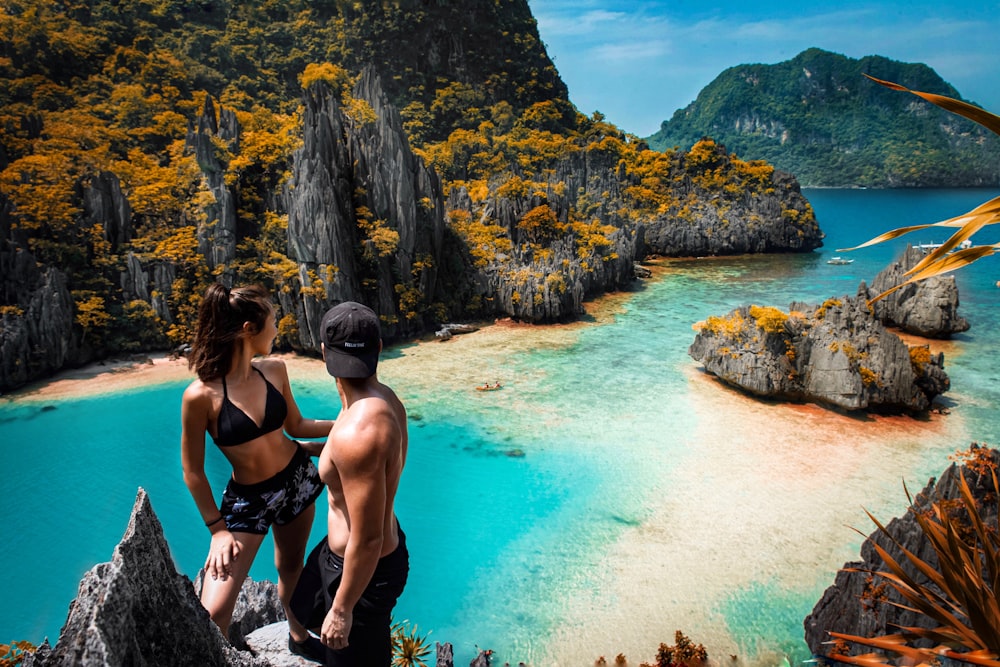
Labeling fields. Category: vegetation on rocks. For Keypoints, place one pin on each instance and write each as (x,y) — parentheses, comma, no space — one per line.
(835,354)
(150,149)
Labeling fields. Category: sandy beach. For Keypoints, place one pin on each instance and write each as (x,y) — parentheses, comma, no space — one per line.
(120,374)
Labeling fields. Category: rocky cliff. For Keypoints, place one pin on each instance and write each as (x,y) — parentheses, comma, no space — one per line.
(928,308)
(835,354)
(539,278)
(137,610)
(776,218)
(36,315)
(855,603)
(365,215)
(366,221)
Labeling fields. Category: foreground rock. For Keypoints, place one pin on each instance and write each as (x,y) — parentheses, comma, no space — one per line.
(137,610)
(928,308)
(854,604)
(835,354)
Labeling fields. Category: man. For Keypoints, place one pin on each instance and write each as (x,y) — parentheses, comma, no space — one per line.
(354,576)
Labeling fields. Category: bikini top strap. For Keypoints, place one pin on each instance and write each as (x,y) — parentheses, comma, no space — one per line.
(225,392)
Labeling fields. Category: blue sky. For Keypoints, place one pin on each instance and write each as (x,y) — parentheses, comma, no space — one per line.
(638,62)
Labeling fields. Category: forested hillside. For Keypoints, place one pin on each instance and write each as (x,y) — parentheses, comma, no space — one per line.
(418,155)
(819,118)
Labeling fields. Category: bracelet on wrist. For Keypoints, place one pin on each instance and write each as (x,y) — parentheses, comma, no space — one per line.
(209,524)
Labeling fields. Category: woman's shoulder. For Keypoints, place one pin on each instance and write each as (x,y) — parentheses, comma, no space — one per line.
(198,390)
(271,365)
(273,369)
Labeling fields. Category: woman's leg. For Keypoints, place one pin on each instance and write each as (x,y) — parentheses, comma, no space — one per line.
(218,596)
(290,543)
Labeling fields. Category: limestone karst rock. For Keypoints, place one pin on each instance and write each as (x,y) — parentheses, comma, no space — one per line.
(217,231)
(722,223)
(36,335)
(836,354)
(848,605)
(137,610)
(360,163)
(928,308)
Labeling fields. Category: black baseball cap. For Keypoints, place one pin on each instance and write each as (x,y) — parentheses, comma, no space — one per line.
(352,337)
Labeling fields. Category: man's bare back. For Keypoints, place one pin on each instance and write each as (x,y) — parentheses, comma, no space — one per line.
(353,578)
(365,451)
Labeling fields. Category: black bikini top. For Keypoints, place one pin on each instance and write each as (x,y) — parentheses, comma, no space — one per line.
(234,427)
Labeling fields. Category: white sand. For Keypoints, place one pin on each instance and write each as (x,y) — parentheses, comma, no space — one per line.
(770,493)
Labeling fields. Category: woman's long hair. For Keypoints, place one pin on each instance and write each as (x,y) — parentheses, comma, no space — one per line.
(220,324)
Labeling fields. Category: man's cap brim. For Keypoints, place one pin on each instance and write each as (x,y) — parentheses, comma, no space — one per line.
(346,365)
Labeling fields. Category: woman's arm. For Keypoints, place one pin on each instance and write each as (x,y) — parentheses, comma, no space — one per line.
(196,406)
(296,425)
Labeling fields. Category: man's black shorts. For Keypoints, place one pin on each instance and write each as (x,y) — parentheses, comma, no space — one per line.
(369,643)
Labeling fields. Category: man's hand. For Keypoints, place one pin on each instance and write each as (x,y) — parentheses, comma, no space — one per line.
(336,628)
(222,554)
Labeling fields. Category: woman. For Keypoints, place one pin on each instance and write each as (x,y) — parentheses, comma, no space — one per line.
(247,407)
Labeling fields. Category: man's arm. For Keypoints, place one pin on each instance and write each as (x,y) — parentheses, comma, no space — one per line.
(359,456)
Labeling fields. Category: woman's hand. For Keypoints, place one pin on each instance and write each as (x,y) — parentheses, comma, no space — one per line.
(223,552)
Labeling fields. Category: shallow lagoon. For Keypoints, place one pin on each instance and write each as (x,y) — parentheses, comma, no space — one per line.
(609,495)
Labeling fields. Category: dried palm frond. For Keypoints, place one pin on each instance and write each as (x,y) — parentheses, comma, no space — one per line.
(959,593)
(942,260)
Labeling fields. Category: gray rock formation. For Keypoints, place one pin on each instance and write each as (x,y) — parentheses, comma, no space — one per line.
(483,659)
(928,308)
(36,325)
(137,610)
(257,605)
(548,279)
(836,354)
(104,204)
(853,605)
(151,282)
(445,654)
(777,219)
(270,643)
(365,215)
(217,231)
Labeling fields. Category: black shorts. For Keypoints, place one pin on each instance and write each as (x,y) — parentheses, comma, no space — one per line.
(252,508)
(369,644)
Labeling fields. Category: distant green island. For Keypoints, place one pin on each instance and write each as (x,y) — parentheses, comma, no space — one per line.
(817,117)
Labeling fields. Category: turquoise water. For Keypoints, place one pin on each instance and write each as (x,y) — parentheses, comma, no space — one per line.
(579,512)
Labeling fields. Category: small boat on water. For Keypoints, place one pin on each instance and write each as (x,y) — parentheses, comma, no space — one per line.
(489,387)
(929,247)
(839,260)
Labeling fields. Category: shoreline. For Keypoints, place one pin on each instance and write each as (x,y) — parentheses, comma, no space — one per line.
(112,375)
(147,369)
(118,374)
